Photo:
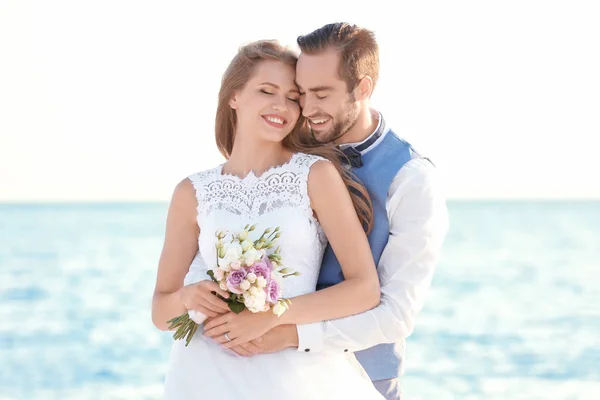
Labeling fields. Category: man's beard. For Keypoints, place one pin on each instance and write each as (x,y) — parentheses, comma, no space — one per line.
(345,121)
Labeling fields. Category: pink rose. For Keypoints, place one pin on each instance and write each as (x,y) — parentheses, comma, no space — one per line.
(262,268)
(234,279)
(273,291)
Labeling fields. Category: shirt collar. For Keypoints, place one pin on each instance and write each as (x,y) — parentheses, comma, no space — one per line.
(373,139)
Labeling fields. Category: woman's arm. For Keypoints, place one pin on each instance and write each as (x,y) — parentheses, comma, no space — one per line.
(171,298)
(359,291)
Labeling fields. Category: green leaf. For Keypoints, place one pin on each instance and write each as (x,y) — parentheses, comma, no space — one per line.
(212,275)
(236,307)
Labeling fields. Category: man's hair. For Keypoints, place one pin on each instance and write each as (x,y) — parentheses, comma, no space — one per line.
(359,51)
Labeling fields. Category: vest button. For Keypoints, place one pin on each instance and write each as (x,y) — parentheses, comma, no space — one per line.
(307,350)
(345,350)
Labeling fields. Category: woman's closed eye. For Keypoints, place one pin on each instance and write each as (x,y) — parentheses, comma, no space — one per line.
(294,99)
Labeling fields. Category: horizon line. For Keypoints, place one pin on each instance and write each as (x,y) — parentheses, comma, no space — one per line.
(449,199)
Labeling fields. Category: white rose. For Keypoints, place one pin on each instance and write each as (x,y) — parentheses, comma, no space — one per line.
(246,244)
(224,264)
(256,301)
(279,309)
(261,282)
(219,274)
(251,256)
(233,251)
(235,265)
(223,285)
(249,301)
(245,285)
(253,290)
(261,298)
(257,309)
(251,277)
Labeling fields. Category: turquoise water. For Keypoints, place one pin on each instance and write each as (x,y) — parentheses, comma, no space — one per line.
(514,312)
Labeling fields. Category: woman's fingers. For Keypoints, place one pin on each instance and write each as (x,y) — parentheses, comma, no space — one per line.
(217,326)
(214,287)
(209,313)
(215,303)
(204,296)
(241,351)
(212,307)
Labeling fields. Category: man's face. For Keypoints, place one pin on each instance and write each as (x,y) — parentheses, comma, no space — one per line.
(331,111)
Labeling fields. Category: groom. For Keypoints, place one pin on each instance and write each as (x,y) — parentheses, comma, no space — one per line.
(336,73)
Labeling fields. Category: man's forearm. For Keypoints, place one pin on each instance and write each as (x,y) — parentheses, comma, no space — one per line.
(383,324)
(418,224)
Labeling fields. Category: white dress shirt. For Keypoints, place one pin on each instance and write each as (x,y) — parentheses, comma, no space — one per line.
(418,217)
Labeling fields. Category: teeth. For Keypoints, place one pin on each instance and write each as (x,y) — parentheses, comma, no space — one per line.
(319,121)
(275,119)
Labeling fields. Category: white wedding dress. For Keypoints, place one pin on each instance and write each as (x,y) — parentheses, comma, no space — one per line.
(204,370)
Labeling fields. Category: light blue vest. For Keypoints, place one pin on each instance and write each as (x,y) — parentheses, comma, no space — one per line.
(380,165)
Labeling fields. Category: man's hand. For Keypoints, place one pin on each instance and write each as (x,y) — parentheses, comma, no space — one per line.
(277,339)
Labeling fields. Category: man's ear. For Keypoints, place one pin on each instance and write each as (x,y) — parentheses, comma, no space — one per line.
(364,89)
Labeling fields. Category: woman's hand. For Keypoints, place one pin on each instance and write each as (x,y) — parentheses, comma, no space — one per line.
(200,297)
(240,328)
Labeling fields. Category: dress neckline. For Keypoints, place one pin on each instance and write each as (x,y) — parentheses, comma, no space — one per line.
(250,176)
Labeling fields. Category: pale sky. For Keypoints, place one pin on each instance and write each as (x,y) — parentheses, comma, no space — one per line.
(115,100)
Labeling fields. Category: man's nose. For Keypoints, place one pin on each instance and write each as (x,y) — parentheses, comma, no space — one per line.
(307,106)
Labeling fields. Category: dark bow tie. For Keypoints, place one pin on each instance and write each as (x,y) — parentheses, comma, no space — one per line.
(353,153)
(353,157)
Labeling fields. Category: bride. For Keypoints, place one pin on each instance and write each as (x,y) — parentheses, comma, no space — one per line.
(272,177)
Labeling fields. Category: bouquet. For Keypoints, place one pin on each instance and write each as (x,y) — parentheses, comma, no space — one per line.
(251,276)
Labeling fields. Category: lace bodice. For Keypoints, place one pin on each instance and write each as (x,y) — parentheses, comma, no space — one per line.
(278,197)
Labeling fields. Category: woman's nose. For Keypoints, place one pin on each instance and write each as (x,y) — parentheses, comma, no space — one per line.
(280,103)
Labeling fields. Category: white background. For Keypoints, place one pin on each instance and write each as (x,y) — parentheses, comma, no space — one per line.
(115,100)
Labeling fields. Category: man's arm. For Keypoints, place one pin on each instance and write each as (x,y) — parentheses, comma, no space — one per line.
(418,225)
